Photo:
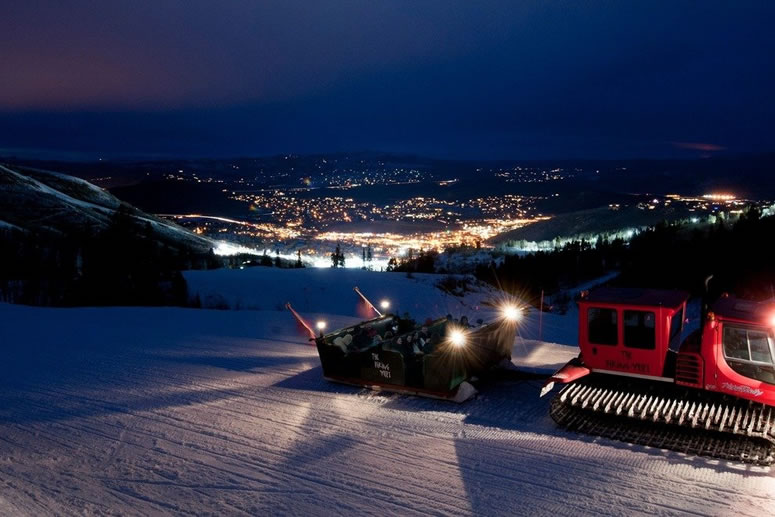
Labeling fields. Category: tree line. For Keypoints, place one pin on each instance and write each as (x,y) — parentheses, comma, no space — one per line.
(740,255)
(126,263)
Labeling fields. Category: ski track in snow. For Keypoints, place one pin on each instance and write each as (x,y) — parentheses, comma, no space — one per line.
(175,411)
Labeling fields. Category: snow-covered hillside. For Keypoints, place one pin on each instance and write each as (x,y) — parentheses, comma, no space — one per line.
(37,200)
(315,290)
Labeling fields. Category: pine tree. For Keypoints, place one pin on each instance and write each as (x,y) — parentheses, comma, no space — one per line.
(337,257)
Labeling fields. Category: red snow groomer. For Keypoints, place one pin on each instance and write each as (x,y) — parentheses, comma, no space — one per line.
(433,359)
(712,394)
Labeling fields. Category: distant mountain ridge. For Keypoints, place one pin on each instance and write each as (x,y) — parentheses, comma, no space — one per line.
(747,175)
(36,200)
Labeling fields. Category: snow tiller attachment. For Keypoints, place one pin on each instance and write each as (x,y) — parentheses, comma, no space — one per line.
(635,380)
(432,359)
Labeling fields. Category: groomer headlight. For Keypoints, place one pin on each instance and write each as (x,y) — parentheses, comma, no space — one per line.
(457,338)
(512,313)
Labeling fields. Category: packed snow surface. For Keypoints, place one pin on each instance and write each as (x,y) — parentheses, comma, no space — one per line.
(186,411)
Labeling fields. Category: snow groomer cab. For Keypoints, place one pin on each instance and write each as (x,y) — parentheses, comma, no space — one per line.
(631,332)
(712,394)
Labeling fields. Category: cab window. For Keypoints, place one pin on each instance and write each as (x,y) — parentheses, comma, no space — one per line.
(747,344)
(749,352)
(602,326)
(736,343)
(640,329)
(759,345)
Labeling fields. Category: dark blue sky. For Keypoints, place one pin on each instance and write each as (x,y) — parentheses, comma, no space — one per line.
(471,79)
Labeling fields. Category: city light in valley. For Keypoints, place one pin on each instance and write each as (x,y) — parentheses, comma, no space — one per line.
(304,208)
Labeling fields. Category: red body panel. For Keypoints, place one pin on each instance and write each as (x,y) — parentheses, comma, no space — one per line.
(690,369)
(572,371)
(719,375)
(699,363)
(619,357)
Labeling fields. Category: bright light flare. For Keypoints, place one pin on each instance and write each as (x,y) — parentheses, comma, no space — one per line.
(719,197)
(457,338)
(384,304)
(512,313)
(321,325)
(772,320)
(227,249)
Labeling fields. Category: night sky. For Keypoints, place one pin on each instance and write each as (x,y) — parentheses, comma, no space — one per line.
(464,79)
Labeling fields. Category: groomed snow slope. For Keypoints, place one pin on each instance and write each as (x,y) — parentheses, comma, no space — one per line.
(331,290)
(177,411)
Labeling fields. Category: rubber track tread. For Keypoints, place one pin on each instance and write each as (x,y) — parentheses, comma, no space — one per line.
(668,417)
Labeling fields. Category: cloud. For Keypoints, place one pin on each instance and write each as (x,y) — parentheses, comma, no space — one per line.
(699,146)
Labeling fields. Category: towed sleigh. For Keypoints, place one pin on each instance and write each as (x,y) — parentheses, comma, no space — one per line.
(433,359)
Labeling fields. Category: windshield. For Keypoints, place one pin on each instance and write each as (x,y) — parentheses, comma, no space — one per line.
(748,344)
(750,351)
